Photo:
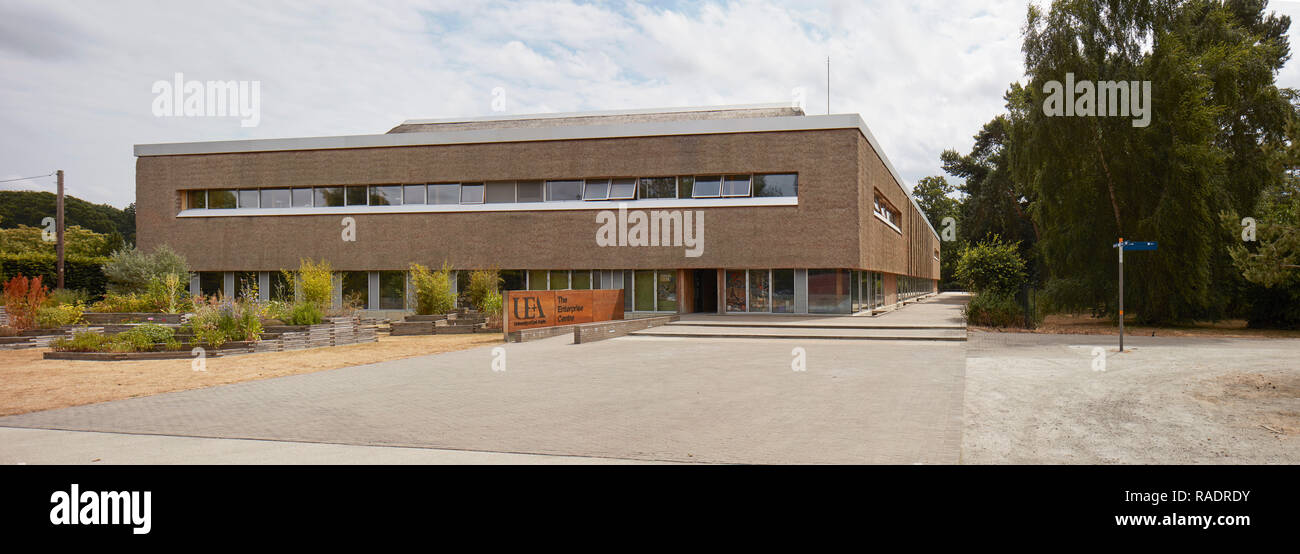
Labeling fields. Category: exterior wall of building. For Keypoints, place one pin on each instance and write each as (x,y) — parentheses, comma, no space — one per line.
(833,226)
(820,232)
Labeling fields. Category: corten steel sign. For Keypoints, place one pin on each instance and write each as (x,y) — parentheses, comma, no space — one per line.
(531,309)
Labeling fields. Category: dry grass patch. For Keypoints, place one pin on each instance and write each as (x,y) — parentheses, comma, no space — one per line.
(29,383)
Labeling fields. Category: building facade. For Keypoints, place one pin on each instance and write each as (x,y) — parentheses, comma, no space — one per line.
(754,209)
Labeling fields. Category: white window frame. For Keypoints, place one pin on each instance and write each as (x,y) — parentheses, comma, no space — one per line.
(636,184)
(482,192)
(749,187)
(514,187)
(695,188)
(586,187)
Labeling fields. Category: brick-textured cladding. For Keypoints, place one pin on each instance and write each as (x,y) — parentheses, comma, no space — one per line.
(826,230)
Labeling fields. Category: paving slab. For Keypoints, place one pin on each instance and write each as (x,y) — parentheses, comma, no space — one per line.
(644,398)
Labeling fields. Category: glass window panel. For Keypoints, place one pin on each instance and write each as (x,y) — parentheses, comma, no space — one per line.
(596,189)
(828,291)
(529,191)
(281,287)
(210,282)
(736,291)
(329,196)
(685,186)
(248,198)
(559,280)
(537,279)
(782,184)
(462,288)
(471,193)
(196,199)
(658,187)
(392,290)
(413,194)
(736,185)
(386,195)
(302,198)
(246,284)
(644,291)
(782,291)
(514,279)
(707,187)
(356,195)
(666,290)
(622,189)
(276,198)
(356,289)
(627,290)
(500,192)
(563,190)
(446,193)
(581,280)
(759,290)
(854,305)
(222,199)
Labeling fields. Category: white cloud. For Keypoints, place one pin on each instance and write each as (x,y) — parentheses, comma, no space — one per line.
(76,93)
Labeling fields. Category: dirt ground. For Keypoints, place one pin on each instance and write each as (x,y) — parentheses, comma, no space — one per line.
(29,383)
(1039,399)
(1082,324)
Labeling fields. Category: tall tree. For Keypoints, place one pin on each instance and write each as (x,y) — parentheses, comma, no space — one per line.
(1213,107)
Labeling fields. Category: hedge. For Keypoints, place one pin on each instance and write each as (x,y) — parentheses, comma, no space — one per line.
(79,272)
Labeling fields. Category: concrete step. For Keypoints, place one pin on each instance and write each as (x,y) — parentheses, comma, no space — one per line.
(802,333)
(865,324)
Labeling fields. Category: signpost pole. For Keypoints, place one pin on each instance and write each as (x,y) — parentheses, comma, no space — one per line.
(1121,294)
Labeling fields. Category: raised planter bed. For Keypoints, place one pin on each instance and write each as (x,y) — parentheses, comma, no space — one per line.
(416,317)
(96,318)
(411,328)
(42,332)
(121,356)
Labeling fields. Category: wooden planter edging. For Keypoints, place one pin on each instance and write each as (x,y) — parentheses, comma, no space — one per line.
(338,332)
(123,356)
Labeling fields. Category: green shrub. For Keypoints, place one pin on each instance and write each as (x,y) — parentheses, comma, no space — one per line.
(168,293)
(50,317)
(432,289)
(992,266)
(217,322)
(153,332)
(78,272)
(315,281)
(133,270)
(482,283)
(82,341)
(124,303)
(305,313)
(491,307)
(992,309)
(61,297)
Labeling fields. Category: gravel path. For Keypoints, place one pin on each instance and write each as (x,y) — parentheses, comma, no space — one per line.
(1036,399)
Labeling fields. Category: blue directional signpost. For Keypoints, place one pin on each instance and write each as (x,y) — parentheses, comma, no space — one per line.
(1121,246)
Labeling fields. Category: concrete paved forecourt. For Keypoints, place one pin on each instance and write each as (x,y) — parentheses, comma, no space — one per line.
(711,400)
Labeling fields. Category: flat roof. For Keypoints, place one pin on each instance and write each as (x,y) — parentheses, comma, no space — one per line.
(550,133)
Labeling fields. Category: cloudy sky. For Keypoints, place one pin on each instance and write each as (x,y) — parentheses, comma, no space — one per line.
(76,76)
